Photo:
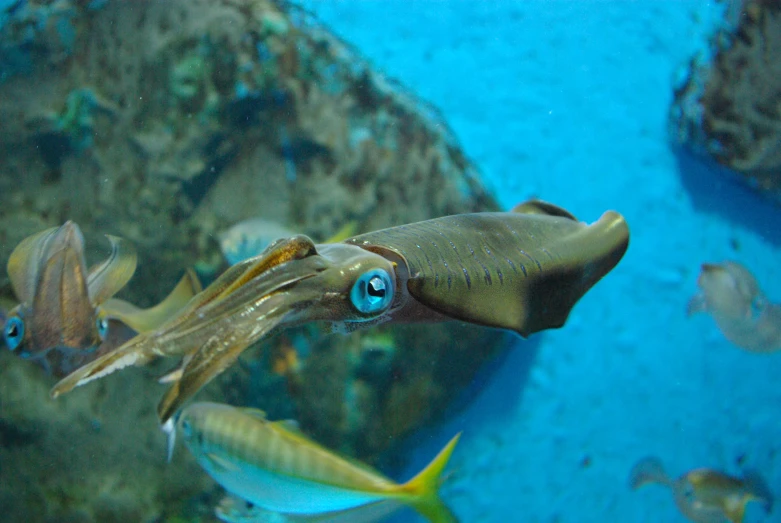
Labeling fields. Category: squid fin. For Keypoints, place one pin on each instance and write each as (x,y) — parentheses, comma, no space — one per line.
(107,278)
(542,207)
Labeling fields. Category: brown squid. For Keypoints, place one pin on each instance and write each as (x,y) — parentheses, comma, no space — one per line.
(522,270)
(67,316)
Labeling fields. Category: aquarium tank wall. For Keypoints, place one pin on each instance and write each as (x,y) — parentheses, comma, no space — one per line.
(360,261)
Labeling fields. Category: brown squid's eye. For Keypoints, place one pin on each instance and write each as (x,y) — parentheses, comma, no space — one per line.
(372,291)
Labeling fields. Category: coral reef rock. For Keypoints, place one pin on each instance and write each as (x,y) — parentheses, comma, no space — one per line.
(729,105)
(171,120)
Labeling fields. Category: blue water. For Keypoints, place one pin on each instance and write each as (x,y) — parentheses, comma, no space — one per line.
(568,101)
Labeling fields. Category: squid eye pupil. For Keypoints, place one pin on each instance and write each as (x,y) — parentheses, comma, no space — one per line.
(376,288)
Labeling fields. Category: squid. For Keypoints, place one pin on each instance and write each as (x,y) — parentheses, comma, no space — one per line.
(67,317)
(521,271)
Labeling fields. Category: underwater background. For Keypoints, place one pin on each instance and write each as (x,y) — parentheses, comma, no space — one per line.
(573,102)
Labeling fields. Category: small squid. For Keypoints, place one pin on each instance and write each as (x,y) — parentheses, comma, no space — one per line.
(522,270)
(67,316)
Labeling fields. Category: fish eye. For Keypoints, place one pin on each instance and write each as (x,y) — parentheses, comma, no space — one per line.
(102,326)
(372,291)
(13,332)
(187,429)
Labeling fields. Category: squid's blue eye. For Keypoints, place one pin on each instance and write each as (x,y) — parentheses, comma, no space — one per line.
(102,326)
(372,292)
(14,332)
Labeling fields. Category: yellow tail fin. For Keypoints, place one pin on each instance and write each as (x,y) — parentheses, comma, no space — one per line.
(421,491)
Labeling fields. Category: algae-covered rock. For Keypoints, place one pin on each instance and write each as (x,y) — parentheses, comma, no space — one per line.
(163,122)
(171,120)
(729,107)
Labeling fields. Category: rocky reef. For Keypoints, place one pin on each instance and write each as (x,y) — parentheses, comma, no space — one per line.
(164,122)
(729,104)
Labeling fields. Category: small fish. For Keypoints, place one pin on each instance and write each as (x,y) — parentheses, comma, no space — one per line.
(235,510)
(731,294)
(275,467)
(705,495)
(67,316)
(249,238)
(283,359)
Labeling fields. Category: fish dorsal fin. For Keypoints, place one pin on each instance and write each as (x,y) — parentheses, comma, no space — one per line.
(221,464)
(542,207)
(255,413)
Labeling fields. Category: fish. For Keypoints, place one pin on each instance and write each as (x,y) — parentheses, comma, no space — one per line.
(251,237)
(66,316)
(284,359)
(521,271)
(733,297)
(235,510)
(272,465)
(705,495)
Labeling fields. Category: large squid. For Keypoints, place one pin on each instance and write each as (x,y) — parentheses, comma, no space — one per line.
(522,270)
(67,316)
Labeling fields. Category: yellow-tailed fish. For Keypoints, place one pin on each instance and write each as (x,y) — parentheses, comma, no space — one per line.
(273,466)
(67,316)
(705,495)
(522,270)
(732,296)
(235,510)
